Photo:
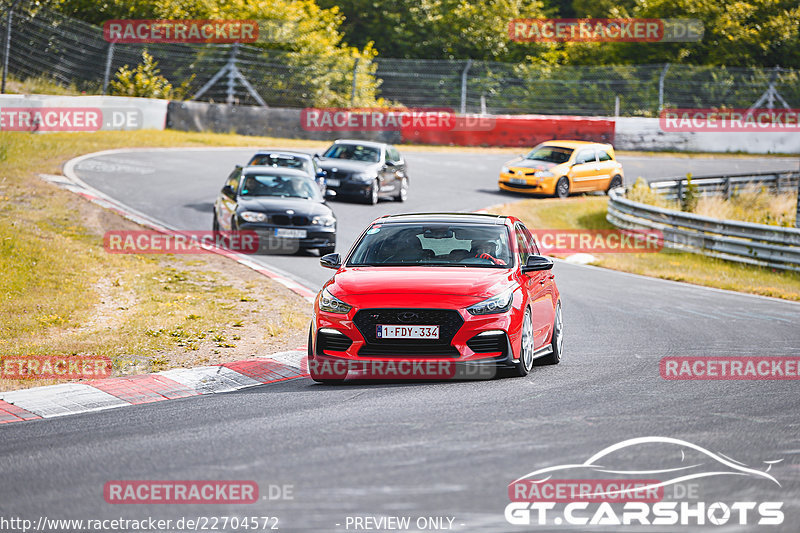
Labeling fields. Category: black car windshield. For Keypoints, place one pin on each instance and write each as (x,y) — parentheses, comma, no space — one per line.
(551,154)
(278,185)
(435,244)
(355,152)
(279,160)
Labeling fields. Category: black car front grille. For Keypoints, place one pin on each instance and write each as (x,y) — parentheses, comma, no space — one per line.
(521,186)
(338,175)
(489,343)
(293,220)
(448,320)
(334,342)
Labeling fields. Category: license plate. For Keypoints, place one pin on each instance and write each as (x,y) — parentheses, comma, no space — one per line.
(517,181)
(407,332)
(332,182)
(286,233)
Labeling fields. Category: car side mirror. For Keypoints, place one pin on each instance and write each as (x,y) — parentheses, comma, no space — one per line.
(391,164)
(227,190)
(537,263)
(331,261)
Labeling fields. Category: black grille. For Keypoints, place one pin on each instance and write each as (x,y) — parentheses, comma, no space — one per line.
(489,344)
(520,186)
(338,175)
(286,220)
(449,322)
(335,342)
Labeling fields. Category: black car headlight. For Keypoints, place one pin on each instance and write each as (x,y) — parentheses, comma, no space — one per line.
(323,220)
(364,177)
(331,304)
(253,216)
(496,304)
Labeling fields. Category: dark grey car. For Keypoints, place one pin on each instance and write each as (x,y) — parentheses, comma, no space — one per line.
(365,170)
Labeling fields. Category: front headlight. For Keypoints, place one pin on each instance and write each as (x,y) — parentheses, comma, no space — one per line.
(252,216)
(496,304)
(331,304)
(543,174)
(323,220)
(364,176)
(504,170)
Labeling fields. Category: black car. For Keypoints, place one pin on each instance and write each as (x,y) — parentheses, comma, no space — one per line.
(365,170)
(283,206)
(290,159)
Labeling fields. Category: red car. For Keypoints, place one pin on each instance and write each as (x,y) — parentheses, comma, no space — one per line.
(429,295)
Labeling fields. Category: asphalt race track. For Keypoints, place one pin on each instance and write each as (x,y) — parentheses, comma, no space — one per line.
(444,449)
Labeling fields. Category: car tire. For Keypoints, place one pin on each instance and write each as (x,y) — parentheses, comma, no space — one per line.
(372,198)
(556,342)
(310,356)
(402,194)
(562,187)
(526,347)
(215,223)
(616,181)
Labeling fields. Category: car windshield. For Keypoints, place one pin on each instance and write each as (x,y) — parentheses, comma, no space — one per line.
(355,152)
(278,185)
(465,245)
(551,154)
(278,160)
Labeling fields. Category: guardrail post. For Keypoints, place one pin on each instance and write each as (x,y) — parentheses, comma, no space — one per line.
(7,45)
(727,187)
(464,74)
(797,214)
(107,72)
(679,192)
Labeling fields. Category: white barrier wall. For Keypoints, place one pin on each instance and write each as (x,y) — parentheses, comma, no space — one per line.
(80,113)
(646,134)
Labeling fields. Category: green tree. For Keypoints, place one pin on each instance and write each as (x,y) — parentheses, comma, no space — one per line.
(144,81)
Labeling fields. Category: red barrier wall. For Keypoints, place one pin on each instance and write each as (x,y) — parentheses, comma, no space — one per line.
(513,130)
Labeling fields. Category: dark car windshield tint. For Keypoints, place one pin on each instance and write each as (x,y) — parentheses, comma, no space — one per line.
(278,160)
(551,154)
(355,152)
(282,186)
(466,245)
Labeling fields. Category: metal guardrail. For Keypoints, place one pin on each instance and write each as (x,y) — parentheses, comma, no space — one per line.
(728,184)
(744,242)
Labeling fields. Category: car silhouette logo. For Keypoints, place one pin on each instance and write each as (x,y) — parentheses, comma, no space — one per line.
(704,463)
(407,316)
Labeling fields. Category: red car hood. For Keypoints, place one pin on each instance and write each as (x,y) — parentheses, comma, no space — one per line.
(405,285)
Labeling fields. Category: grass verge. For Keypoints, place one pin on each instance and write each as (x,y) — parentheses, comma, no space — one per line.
(589,212)
(62,294)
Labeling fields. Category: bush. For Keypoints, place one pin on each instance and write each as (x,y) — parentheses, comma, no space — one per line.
(144,81)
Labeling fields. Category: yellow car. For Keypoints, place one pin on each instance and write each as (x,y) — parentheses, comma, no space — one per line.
(559,168)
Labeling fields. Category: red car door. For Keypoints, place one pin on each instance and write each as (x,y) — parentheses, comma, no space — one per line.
(538,286)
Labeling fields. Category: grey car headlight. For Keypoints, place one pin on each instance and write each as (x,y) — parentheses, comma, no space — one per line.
(504,170)
(253,216)
(323,220)
(331,304)
(543,174)
(496,304)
